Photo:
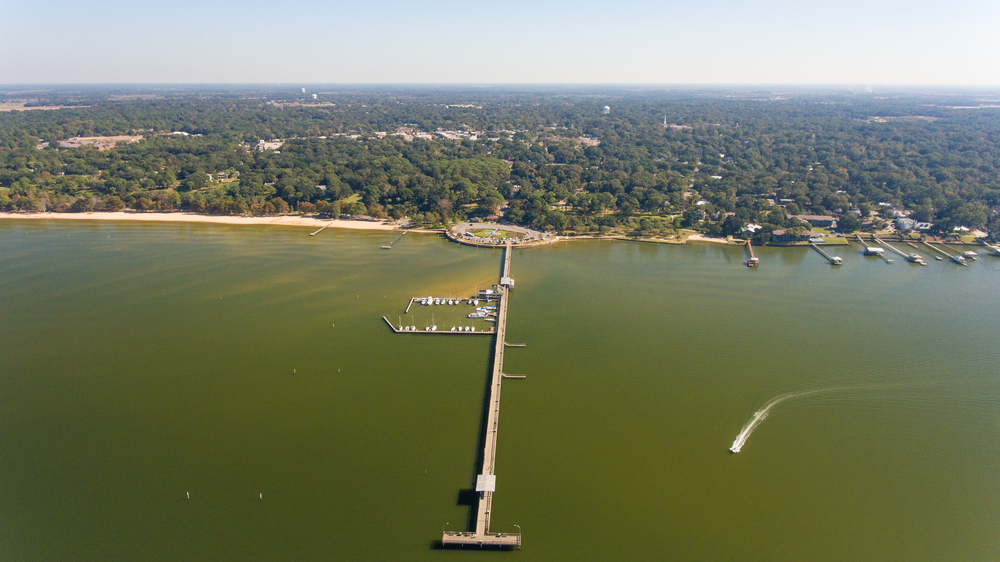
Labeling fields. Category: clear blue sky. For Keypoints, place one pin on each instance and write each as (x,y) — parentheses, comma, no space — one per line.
(519,42)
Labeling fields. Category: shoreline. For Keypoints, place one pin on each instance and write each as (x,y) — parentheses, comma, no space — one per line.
(285,220)
(294,220)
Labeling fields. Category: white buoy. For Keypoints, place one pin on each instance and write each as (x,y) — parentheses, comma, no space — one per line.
(293,371)
(262,495)
(188,494)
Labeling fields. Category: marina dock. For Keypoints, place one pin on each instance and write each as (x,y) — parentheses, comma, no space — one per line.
(834,260)
(486,481)
(912,258)
(396,329)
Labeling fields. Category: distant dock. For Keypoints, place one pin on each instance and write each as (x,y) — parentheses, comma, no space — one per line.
(960,260)
(394,240)
(912,257)
(873,250)
(752,260)
(324,227)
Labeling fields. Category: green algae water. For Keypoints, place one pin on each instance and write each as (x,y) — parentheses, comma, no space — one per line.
(249,369)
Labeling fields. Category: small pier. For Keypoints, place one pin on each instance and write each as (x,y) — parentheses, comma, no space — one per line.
(321,229)
(957,259)
(912,258)
(834,260)
(486,481)
(873,250)
(996,250)
(394,240)
(752,260)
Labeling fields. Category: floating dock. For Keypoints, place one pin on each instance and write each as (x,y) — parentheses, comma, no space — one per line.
(486,481)
(834,260)
(912,258)
(396,329)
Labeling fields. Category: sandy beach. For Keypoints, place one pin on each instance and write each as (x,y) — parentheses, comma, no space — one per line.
(700,238)
(189,217)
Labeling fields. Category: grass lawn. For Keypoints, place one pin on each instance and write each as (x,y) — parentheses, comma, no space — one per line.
(969,239)
(352,199)
(835,241)
(485,233)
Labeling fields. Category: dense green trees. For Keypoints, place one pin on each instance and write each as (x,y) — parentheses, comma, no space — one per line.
(546,159)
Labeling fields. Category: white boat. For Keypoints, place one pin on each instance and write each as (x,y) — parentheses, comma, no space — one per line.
(490,319)
(472,328)
(475,302)
(452,328)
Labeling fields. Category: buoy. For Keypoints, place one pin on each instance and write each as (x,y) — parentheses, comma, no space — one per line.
(293,371)
(188,494)
(261,496)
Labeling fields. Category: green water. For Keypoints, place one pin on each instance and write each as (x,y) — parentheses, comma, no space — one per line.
(141,362)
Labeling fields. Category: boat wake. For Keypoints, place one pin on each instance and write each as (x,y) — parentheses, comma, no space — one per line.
(760,415)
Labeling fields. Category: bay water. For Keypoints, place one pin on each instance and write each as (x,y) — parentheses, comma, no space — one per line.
(208,392)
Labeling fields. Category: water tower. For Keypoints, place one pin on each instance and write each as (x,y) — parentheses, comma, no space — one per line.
(606,110)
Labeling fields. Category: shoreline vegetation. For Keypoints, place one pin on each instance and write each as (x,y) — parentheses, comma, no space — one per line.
(389,225)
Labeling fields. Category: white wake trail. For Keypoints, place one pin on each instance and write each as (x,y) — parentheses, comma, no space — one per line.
(760,415)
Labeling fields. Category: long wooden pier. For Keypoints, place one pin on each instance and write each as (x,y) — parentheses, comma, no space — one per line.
(486,481)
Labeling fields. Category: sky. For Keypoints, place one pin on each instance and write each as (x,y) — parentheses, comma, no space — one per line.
(852,42)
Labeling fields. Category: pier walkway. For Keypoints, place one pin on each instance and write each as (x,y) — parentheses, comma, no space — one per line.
(873,250)
(912,258)
(957,259)
(486,482)
(834,260)
(752,260)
